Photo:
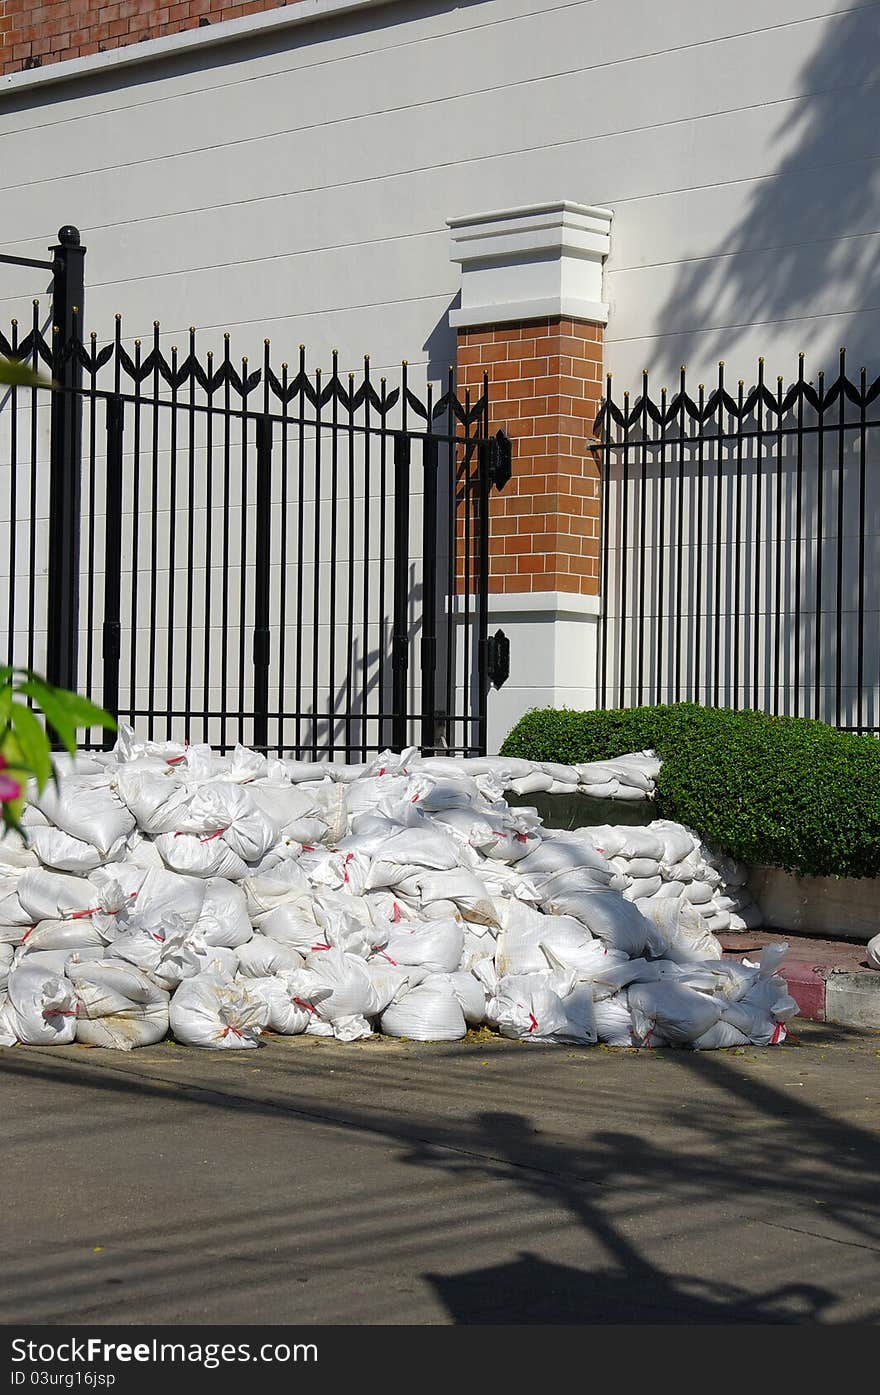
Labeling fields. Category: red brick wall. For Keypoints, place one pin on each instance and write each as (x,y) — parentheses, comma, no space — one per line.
(545,386)
(36,32)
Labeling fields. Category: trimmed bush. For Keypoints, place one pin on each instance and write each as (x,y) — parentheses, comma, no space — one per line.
(786,791)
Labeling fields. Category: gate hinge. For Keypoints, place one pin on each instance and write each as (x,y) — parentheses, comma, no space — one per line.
(498,658)
(500,459)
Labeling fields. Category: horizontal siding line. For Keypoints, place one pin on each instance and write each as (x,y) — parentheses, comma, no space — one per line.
(750,251)
(442,164)
(274,257)
(610,201)
(742,324)
(549,77)
(306,67)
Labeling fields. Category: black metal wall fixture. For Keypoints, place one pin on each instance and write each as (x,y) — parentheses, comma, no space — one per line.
(266,554)
(741,546)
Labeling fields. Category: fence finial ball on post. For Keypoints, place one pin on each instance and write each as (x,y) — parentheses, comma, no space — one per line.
(68,236)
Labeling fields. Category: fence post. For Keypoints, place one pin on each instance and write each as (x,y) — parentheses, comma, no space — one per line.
(62,641)
(429,596)
(399,634)
(261,582)
(112,560)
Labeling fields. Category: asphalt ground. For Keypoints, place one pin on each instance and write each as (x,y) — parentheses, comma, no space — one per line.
(480,1182)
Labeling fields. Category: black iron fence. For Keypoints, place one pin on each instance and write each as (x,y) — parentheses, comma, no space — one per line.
(228,551)
(741,546)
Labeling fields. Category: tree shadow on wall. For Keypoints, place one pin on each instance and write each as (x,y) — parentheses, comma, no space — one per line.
(809,228)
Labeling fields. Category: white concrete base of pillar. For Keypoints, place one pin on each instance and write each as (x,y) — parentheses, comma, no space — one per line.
(553,656)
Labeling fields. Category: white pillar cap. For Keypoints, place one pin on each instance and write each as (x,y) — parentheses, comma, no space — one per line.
(531,263)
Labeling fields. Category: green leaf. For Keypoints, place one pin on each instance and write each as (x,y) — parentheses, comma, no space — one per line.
(65,711)
(15,374)
(6,673)
(33,741)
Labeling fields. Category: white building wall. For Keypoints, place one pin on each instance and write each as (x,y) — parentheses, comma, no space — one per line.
(295,183)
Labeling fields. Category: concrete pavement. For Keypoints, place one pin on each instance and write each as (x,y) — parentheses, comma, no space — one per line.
(476,1182)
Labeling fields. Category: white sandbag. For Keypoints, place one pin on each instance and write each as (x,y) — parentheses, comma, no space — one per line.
(699,893)
(460,887)
(39,1010)
(224,919)
(562,774)
(129,747)
(429,1012)
(535,782)
(677,840)
(679,933)
(606,915)
(213,959)
(297,811)
(353,1027)
(63,935)
(600,789)
(212,1012)
(53,895)
(519,945)
(436,947)
(291,999)
(389,980)
(413,849)
(15,850)
(165,953)
(7,953)
(119,1006)
(62,852)
(261,957)
(717,921)
(479,943)
(197,855)
(537,1007)
(643,887)
(161,893)
(348,979)
(471,996)
(613,1020)
(678,1013)
(560,853)
(720,1037)
(873,952)
(761,1014)
(86,807)
(54,961)
(638,868)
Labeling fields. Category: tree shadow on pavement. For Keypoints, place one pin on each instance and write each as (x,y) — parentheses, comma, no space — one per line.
(705,1147)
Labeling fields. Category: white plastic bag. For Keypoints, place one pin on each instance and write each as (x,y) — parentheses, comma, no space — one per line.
(429,1012)
(40,1009)
(119,1006)
(211,1012)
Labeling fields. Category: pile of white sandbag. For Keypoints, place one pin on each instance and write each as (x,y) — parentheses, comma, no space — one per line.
(163,887)
(667,861)
(630,777)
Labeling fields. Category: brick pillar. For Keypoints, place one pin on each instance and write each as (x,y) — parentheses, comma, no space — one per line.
(532,318)
(545,385)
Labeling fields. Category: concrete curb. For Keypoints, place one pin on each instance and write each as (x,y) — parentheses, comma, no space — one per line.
(828,979)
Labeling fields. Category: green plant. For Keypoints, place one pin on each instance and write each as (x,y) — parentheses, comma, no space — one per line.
(25,746)
(15,374)
(782,790)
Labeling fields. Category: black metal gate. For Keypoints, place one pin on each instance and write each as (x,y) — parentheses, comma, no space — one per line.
(226,551)
(741,546)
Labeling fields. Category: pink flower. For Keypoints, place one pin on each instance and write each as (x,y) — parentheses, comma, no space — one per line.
(9,788)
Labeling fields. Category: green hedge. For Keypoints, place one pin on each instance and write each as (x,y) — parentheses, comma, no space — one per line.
(780,790)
